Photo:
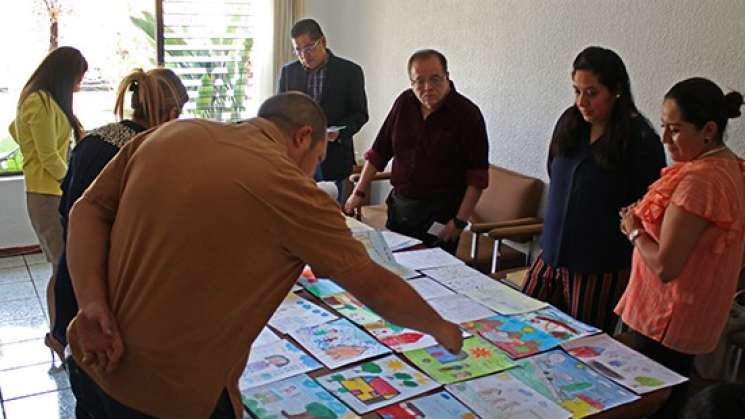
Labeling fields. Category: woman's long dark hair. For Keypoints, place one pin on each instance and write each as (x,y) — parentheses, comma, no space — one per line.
(57,75)
(610,150)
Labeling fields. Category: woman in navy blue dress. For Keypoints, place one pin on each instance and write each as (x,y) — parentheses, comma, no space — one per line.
(157,96)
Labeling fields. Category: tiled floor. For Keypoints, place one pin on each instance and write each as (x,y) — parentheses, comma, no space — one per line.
(30,387)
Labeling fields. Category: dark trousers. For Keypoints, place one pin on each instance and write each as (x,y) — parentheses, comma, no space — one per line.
(413,217)
(672,359)
(93,403)
(65,303)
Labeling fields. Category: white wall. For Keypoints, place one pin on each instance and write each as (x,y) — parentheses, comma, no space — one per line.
(513,57)
(15,228)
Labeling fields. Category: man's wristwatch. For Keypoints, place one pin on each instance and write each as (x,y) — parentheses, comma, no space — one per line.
(459,224)
(635,233)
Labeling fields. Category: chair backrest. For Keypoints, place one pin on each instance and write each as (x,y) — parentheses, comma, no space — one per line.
(510,195)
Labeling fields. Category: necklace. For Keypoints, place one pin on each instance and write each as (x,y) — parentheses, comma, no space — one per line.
(710,152)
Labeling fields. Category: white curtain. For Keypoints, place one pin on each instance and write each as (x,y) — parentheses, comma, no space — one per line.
(273,46)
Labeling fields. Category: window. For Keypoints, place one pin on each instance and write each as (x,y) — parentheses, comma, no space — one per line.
(208,43)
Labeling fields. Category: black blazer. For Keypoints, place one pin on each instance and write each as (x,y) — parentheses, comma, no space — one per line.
(343,100)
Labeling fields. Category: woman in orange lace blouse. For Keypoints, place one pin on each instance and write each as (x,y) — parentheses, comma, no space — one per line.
(688,234)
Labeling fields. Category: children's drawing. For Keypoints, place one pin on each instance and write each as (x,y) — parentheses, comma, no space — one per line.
(398,338)
(558,324)
(338,343)
(503,299)
(297,397)
(296,312)
(265,337)
(274,362)
(458,308)
(458,277)
(352,308)
(501,396)
(570,383)
(321,287)
(429,289)
(377,383)
(622,364)
(477,358)
(517,338)
(441,405)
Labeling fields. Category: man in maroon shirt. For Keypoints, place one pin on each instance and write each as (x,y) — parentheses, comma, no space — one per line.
(437,139)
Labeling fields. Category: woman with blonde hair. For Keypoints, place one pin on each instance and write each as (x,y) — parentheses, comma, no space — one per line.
(688,234)
(42,127)
(157,96)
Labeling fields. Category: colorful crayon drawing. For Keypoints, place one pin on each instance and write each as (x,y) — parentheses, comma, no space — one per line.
(338,343)
(440,405)
(352,308)
(477,358)
(398,338)
(274,362)
(297,397)
(517,338)
(622,364)
(501,396)
(296,312)
(321,287)
(558,324)
(377,383)
(571,384)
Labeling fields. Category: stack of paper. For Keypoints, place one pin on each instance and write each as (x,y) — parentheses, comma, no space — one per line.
(398,241)
(382,254)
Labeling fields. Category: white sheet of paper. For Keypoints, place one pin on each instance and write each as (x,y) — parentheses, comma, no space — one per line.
(622,364)
(356,225)
(380,252)
(503,299)
(265,337)
(296,312)
(338,343)
(458,308)
(435,228)
(398,241)
(427,258)
(428,288)
(502,396)
(459,277)
(274,362)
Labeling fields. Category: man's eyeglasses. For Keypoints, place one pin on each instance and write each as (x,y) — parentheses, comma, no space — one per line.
(306,49)
(433,81)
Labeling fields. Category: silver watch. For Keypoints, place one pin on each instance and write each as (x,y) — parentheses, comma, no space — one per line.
(635,233)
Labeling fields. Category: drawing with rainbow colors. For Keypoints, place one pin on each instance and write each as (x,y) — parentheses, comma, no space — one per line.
(517,338)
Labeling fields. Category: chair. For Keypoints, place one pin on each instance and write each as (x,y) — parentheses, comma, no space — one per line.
(507,211)
(503,224)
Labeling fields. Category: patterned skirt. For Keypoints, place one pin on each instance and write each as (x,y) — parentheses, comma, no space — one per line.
(588,297)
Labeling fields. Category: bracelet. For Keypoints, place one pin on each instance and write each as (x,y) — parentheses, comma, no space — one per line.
(360,193)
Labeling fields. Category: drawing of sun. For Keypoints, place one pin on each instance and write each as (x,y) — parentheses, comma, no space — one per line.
(479,352)
(396,365)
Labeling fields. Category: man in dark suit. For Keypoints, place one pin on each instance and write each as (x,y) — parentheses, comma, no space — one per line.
(336,84)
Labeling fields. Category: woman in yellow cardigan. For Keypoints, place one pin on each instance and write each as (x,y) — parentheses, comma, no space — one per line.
(42,127)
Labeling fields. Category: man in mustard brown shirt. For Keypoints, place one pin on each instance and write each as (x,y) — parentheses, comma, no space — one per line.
(185,245)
